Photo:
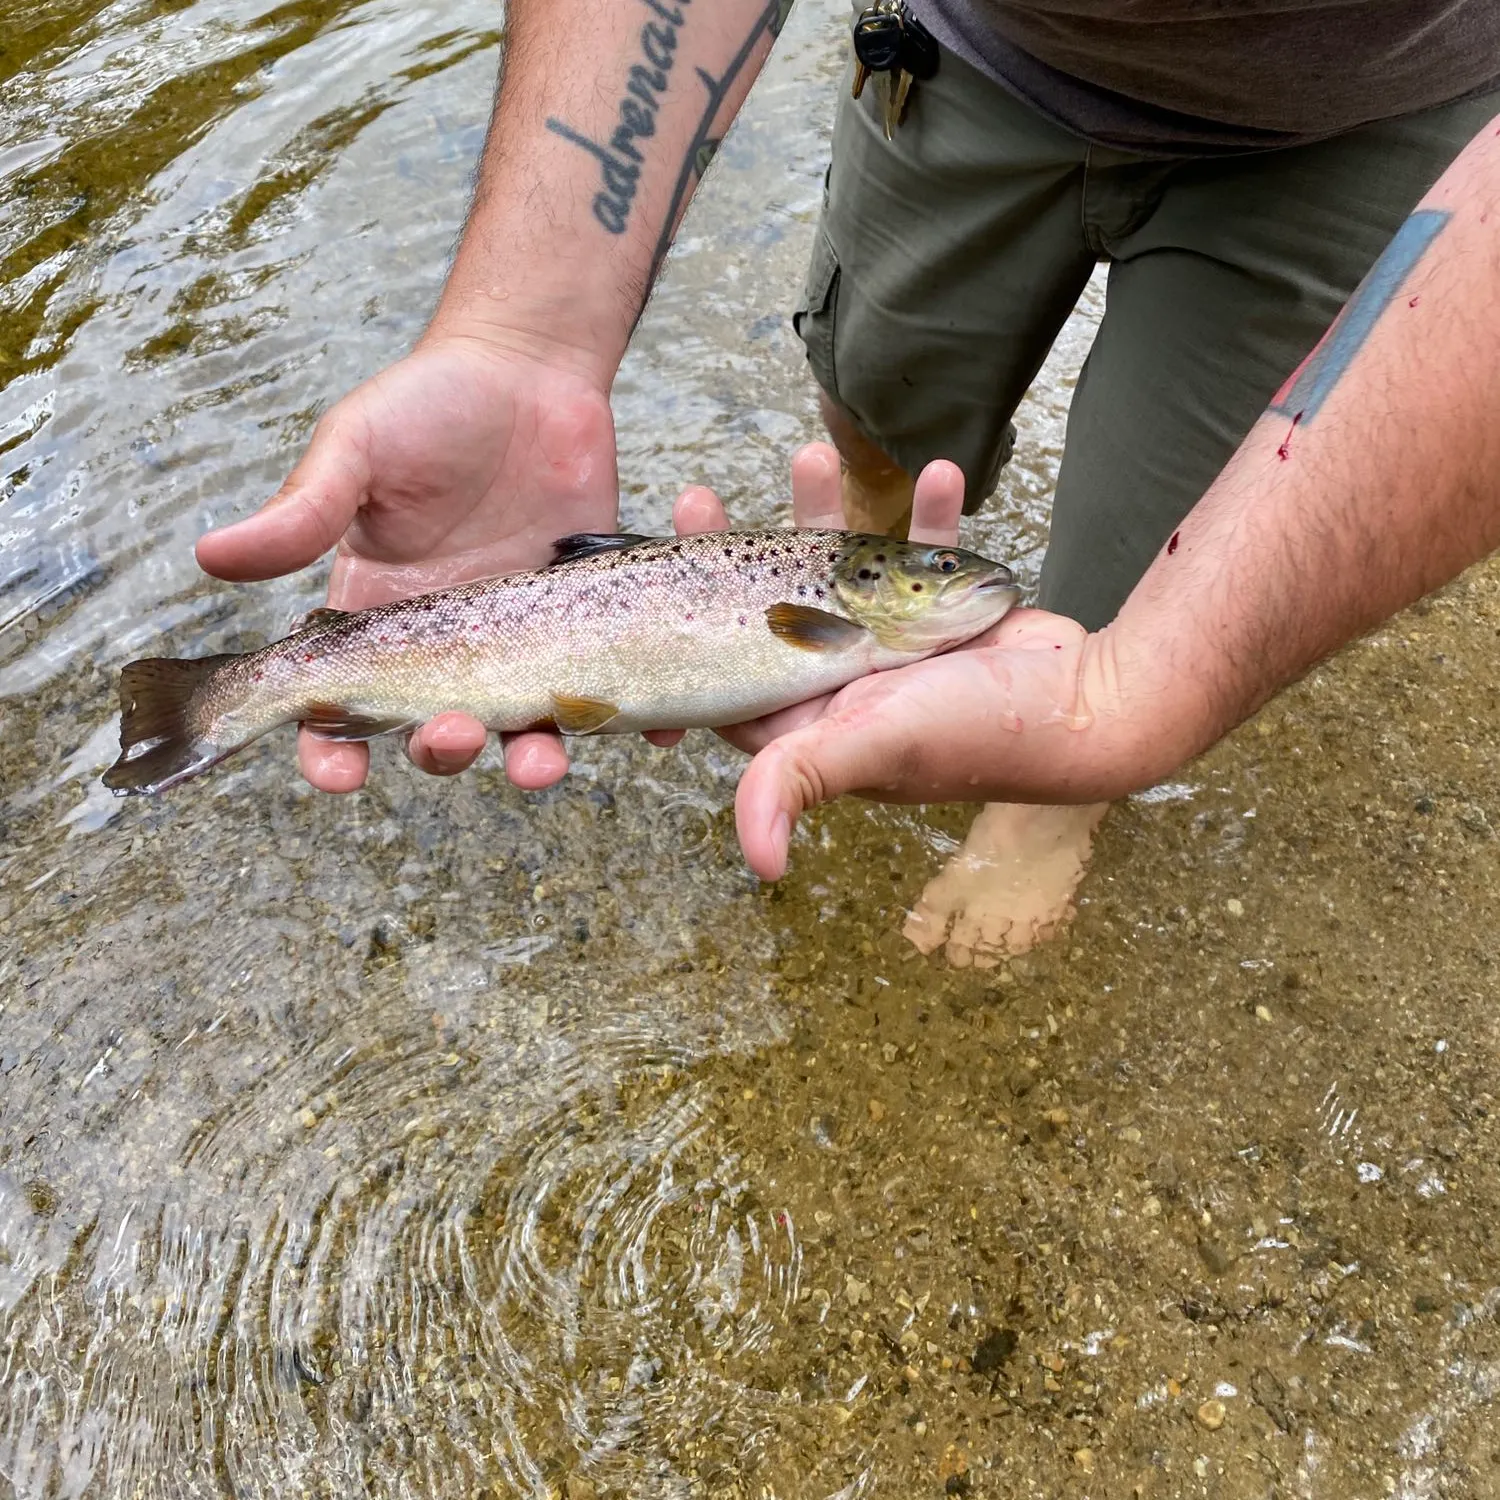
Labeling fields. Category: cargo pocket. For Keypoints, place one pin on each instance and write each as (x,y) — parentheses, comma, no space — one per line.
(814,316)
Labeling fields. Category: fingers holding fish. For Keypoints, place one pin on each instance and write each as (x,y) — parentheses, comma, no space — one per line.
(756,734)
(937,504)
(698,509)
(854,743)
(818,500)
(817,488)
(447,745)
(534,760)
(331,767)
(1041,724)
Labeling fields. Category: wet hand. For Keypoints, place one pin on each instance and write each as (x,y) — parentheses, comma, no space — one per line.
(999,718)
(460,461)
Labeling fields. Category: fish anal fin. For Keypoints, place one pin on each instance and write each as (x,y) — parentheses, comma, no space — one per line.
(569,549)
(578,715)
(320,619)
(330,721)
(812,629)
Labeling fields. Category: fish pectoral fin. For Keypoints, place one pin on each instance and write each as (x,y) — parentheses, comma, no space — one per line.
(581,544)
(813,629)
(575,715)
(331,722)
(319,619)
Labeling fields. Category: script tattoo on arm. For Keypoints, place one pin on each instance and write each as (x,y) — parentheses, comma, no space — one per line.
(621,157)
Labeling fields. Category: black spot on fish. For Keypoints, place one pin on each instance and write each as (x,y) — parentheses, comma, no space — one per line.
(863,573)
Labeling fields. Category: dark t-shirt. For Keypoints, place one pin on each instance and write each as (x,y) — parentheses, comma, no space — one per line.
(1203,77)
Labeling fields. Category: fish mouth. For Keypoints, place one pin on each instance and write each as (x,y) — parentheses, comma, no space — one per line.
(1000,579)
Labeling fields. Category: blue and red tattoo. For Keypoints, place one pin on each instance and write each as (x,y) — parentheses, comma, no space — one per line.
(1310,385)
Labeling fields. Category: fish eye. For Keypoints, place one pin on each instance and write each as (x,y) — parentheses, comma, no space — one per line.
(946,562)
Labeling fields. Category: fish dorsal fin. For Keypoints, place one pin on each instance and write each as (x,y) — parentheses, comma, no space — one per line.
(320,619)
(568,549)
(812,629)
(577,715)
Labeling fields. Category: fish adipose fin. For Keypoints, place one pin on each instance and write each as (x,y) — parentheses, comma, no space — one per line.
(812,629)
(320,619)
(582,715)
(330,722)
(570,549)
(160,744)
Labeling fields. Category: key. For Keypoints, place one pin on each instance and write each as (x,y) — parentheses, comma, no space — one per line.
(917,63)
(897,88)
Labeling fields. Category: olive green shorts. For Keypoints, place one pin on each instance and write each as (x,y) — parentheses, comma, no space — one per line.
(948,259)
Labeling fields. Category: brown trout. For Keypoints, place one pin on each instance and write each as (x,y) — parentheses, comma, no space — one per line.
(619,633)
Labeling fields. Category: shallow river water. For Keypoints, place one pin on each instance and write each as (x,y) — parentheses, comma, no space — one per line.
(444,1140)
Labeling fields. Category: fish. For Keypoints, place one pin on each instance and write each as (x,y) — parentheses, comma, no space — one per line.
(620,632)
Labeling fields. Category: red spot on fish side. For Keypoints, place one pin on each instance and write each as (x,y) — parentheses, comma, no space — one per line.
(1172,545)
(308,657)
(1284,452)
(259,676)
(688,618)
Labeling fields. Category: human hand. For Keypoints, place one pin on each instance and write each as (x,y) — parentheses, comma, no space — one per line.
(460,461)
(1031,711)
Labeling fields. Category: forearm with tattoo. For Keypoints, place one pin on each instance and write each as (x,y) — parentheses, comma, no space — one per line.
(622,155)
(605,121)
(1373,478)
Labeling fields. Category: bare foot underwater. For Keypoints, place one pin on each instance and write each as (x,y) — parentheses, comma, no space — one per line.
(1010,886)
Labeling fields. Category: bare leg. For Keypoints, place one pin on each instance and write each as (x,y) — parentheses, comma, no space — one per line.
(877,490)
(1011,885)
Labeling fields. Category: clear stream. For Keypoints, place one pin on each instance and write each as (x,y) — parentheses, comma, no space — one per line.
(448,1141)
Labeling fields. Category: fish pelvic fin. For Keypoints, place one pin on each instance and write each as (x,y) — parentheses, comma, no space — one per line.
(570,549)
(574,715)
(331,722)
(812,629)
(163,738)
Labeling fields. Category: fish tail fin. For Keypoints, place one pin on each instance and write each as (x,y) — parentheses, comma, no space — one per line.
(166,732)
